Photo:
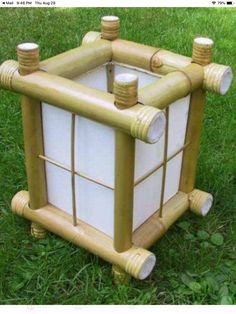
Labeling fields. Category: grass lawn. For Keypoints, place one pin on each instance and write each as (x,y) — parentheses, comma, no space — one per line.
(192,267)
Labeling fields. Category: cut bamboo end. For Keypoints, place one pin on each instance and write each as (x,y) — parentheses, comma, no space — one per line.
(149,124)
(120,277)
(37,231)
(19,202)
(217,78)
(125,89)
(141,263)
(91,37)
(7,70)
(200,202)
(110,26)
(202,50)
(28,57)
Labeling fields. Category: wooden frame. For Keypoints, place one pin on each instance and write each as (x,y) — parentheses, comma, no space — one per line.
(135,114)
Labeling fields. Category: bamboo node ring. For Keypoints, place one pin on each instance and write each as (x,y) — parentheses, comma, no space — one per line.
(7,70)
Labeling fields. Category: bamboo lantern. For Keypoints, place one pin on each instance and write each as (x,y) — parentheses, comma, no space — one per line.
(111,132)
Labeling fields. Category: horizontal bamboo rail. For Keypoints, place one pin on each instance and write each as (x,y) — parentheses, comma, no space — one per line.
(134,54)
(164,62)
(79,60)
(140,121)
(136,261)
(155,227)
(149,58)
(172,87)
(217,77)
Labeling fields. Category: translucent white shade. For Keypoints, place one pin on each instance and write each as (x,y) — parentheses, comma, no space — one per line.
(95,160)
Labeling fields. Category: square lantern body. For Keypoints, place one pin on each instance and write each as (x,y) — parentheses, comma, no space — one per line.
(95,158)
(78,139)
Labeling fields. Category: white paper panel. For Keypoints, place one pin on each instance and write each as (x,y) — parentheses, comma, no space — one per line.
(173,171)
(94,150)
(147,198)
(57,133)
(147,156)
(59,187)
(178,116)
(95,205)
(96,78)
(143,78)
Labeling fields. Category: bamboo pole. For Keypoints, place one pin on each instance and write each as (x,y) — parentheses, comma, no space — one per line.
(149,58)
(137,261)
(155,226)
(125,91)
(194,125)
(28,57)
(79,60)
(124,186)
(142,122)
(131,53)
(110,26)
(164,62)
(110,76)
(172,87)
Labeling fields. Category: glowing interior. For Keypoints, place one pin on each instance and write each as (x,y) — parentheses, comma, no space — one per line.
(95,159)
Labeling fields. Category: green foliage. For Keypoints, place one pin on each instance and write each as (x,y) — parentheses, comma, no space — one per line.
(196,260)
(217,239)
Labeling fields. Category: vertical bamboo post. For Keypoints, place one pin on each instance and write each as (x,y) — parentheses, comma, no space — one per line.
(110,26)
(125,91)
(202,54)
(28,57)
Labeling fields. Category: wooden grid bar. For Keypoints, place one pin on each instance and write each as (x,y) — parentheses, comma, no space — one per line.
(55,163)
(144,177)
(164,161)
(73,169)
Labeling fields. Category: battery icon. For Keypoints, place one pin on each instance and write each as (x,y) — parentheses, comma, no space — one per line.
(229,2)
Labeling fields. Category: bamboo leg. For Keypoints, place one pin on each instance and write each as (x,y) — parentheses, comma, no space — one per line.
(202,51)
(28,56)
(125,90)
(120,277)
(193,134)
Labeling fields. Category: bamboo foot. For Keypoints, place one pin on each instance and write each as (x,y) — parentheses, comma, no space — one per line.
(120,277)
(200,202)
(37,231)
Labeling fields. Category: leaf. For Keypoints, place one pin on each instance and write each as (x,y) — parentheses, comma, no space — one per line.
(189,236)
(184,225)
(189,273)
(202,235)
(195,286)
(226,300)
(224,291)
(206,245)
(212,283)
(185,279)
(217,239)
